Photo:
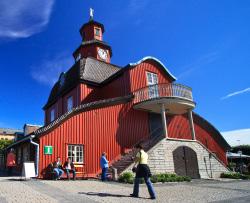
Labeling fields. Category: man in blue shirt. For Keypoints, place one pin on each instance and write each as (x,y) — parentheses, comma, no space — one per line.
(104,165)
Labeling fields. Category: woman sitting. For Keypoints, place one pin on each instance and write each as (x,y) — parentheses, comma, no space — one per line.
(69,167)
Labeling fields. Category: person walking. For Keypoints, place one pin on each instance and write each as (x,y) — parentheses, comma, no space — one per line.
(58,168)
(104,165)
(69,167)
(142,171)
(11,161)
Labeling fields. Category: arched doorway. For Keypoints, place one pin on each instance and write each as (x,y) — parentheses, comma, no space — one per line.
(185,162)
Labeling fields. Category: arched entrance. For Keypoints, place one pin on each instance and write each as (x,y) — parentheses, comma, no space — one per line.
(185,162)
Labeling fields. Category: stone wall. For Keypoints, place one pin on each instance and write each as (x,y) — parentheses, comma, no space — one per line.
(161,158)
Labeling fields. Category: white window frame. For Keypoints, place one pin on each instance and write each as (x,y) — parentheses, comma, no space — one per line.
(70,103)
(152,81)
(52,115)
(75,153)
(97,32)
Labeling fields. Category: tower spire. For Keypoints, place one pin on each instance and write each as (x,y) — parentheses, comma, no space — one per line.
(91,14)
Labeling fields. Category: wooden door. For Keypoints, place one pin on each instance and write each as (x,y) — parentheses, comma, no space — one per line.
(185,162)
(155,124)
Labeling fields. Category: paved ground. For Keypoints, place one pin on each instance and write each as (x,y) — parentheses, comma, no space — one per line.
(14,190)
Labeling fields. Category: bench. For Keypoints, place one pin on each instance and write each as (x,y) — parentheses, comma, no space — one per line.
(51,174)
(79,170)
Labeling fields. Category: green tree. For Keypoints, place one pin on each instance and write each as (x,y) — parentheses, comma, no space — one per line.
(5,143)
(244,148)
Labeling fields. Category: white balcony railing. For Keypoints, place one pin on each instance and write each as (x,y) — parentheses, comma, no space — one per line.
(163,91)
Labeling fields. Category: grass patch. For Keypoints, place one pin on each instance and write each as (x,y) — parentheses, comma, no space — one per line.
(235,176)
(128,177)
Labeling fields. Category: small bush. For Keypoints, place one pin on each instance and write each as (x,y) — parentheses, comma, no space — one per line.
(126,177)
(235,176)
(169,177)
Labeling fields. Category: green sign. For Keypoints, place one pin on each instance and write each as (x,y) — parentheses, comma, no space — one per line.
(48,150)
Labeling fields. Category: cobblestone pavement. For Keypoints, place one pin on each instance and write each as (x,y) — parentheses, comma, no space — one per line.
(15,190)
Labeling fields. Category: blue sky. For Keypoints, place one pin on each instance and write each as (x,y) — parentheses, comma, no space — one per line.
(205,44)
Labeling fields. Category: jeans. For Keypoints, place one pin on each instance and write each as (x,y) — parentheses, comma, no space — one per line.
(104,174)
(59,172)
(70,170)
(149,185)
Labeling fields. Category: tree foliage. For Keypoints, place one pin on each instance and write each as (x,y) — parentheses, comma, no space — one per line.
(244,148)
(5,143)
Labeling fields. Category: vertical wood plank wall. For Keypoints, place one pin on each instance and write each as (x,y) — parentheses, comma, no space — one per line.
(112,129)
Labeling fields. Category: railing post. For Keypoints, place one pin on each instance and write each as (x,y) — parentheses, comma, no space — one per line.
(191,123)
(164,121)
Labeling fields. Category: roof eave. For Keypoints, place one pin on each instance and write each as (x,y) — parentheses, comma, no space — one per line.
(157,61)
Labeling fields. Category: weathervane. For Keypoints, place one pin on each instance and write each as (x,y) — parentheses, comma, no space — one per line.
(91,13)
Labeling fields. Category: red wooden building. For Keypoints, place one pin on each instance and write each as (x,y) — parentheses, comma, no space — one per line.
(97,106)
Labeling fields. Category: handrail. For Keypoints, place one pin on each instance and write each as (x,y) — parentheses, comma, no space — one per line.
(146,142)
(172,90)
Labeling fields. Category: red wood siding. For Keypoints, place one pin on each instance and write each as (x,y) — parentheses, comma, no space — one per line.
(111,129)
(117,88)
(61,105)
(138,77)
(207,137)
(178,127)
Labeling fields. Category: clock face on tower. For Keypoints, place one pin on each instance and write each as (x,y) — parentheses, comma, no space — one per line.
(103,54)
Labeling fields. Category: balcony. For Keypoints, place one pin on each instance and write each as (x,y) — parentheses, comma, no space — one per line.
(177,99)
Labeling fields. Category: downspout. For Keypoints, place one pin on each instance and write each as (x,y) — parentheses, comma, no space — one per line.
(37,153)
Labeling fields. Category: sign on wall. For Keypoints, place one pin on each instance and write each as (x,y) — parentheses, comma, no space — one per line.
(48,150)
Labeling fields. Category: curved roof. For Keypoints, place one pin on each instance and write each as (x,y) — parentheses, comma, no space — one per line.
(157,61)
(207,125)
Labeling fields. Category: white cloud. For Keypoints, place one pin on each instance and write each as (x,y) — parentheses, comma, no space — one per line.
(48,71)
(198,63)
(23,18)
(236,137)
(236,93)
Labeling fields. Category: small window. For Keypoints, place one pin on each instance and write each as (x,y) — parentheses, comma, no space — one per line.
(52,115)
(97,32)
(69,103)
(152,78)
(152,81)
(75,153)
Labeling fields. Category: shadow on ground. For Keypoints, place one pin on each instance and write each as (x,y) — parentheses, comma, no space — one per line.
(103,194)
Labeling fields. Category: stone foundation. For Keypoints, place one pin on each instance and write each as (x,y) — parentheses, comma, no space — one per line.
(161,158)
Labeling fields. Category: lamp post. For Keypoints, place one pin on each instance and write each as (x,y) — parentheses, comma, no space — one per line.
(241,165)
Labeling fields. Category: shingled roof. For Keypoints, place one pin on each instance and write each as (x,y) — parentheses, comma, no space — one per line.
(9,131)
(87,70)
